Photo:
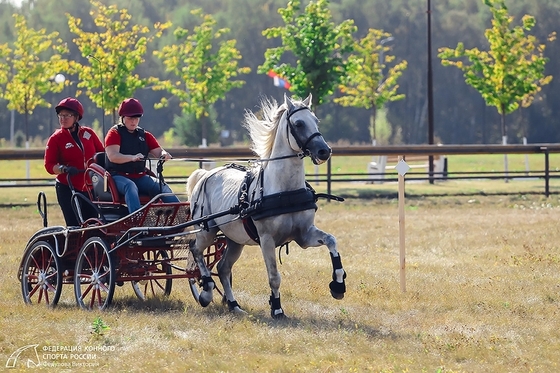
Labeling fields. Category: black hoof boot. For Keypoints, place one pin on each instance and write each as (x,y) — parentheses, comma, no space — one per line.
(205,297)
(276,310)
(337,289)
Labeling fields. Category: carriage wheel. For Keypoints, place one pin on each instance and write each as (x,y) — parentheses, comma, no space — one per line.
(41,279)
(154,287)
(193,284)
(94,277)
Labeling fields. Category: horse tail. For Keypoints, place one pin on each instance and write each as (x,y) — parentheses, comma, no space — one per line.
(193,179)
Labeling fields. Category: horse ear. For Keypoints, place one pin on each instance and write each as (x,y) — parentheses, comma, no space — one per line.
(307,101)
(288,102)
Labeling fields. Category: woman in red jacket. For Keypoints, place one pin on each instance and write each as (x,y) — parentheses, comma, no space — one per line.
(68,150)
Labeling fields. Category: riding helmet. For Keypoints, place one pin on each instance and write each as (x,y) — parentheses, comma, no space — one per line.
(131,107)
(70,103)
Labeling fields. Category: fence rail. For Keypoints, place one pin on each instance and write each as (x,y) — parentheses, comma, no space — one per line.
(203,155)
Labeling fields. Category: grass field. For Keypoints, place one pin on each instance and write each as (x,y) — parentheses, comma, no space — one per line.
(482,295)
(482,288)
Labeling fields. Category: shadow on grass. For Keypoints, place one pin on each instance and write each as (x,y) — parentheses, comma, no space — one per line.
(219,311)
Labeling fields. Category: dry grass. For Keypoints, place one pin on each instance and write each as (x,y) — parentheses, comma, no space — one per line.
(483,295)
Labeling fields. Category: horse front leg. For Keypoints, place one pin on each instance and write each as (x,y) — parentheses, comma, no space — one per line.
(274,278)
(316,237)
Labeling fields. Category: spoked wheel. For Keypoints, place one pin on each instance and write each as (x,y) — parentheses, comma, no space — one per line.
(94,277)
(41,277)
(154,287)
(193,284)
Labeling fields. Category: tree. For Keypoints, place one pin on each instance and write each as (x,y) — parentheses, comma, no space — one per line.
(116,53)
(205,65)
(365,85)
(316,43)
(512,72)
(29,69)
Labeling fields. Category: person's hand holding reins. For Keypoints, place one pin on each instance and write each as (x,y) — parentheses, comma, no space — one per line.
(165,156)
(70,170)
(138,157)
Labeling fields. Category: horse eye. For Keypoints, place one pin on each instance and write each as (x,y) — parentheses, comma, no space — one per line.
(299,123)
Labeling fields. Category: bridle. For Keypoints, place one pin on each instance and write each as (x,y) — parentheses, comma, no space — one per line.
(302,145)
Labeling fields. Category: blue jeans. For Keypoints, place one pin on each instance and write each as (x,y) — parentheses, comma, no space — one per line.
(146,185)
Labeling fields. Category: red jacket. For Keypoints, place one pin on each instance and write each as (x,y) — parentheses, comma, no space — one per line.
(63,149)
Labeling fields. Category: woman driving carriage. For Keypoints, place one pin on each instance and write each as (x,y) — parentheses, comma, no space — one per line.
(127,145)
(68,150)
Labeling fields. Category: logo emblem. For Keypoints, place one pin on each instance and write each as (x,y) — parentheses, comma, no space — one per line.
(28,352)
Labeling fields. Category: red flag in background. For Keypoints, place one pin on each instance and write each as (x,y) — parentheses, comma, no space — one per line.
(278,80)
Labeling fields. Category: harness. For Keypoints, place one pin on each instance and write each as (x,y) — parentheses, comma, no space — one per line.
(251,209)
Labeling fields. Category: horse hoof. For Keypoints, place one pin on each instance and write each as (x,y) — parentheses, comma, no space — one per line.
(278,314)
(338,296)
(204,299)
(337,289)
(238,311)
(234,307)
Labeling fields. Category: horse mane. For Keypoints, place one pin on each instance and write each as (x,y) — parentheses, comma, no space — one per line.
(263,130)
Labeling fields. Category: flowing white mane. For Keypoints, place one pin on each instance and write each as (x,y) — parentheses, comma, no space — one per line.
(263,131)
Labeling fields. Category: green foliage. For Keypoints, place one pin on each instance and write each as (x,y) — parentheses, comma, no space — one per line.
(205,66)
(28,70)
(365,85)
(318,46)
(98,327)
(116,53)
(512,72)
(187,129)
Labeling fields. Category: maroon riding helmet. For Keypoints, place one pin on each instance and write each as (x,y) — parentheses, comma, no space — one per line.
(131,107)
(71,104)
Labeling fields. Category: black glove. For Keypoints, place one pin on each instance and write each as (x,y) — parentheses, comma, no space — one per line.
(70,170)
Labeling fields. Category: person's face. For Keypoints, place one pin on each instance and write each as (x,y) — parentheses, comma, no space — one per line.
(131,123)
(66,118)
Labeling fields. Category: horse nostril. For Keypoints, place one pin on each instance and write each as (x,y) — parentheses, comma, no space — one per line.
(324,154)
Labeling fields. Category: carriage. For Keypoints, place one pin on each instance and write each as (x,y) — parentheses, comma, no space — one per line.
(229,207)
(148,248)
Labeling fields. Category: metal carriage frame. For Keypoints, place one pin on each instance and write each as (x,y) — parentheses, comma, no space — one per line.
(148,248)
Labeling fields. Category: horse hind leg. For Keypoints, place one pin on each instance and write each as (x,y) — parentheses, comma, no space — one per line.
(225,265)
(197,247)
(274,280)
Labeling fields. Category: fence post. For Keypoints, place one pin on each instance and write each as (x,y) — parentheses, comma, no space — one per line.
(546,173)
(329,178)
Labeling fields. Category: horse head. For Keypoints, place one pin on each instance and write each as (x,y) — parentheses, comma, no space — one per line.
(303,129)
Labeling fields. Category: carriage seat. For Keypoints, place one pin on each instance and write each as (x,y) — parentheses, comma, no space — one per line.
(100,185)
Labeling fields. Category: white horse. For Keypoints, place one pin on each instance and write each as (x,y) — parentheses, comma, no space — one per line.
(274,196)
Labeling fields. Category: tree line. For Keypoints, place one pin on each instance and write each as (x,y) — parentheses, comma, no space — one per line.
(461,114)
